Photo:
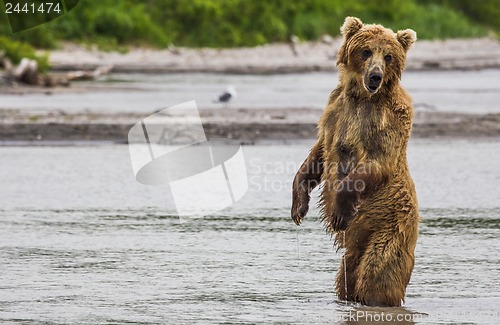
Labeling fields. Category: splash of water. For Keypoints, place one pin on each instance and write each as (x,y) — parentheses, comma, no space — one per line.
(345,268)
(298,248)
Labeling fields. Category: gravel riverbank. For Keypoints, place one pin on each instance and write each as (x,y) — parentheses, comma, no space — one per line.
(244,125)
(453,54)
(241,123)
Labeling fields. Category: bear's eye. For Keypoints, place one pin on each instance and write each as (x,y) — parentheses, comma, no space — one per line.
(388,58)
(367,54)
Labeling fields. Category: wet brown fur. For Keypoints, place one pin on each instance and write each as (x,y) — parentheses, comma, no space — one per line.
(362,140)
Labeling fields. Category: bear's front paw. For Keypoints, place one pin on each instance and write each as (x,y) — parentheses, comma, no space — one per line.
(299,210)
(345,210)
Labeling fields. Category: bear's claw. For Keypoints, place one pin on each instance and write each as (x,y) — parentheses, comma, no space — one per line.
(343,215)
(299,212)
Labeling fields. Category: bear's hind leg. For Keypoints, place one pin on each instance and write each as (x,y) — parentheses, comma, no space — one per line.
(385,268)
(347,272)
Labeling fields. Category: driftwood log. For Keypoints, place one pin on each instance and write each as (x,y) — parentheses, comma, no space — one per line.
(89,74)
(27,72)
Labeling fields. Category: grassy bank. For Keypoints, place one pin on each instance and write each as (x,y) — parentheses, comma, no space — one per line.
(230,23)
(16,50)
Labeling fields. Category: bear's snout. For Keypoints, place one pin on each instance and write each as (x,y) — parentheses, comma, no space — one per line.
(374,80)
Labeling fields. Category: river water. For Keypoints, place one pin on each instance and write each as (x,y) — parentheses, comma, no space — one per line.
(442,91)
(82,242)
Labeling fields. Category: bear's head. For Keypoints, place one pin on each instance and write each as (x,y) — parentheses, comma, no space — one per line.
(375,56)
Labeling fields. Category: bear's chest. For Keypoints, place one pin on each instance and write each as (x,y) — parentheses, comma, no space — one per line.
(365,128)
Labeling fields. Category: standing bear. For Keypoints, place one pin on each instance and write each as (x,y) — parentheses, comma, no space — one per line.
(368,198)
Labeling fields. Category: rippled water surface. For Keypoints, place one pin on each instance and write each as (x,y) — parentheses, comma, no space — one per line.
(82,242)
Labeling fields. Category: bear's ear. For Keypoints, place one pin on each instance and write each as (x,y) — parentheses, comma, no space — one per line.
(350,27)
(406,37)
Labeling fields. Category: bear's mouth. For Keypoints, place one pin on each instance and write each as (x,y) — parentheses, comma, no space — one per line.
(372,89)
(373,80)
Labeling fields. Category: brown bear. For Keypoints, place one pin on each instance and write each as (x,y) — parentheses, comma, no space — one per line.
(368,198)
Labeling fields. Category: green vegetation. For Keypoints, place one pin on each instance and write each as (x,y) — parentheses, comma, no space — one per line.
(228,23)
(16,50)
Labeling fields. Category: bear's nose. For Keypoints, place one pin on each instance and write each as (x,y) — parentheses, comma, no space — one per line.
(375,78)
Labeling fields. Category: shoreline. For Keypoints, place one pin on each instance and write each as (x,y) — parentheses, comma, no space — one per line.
(246,126)
(425,55)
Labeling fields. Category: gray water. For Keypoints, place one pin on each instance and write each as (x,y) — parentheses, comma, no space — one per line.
(442,91)
(82,242)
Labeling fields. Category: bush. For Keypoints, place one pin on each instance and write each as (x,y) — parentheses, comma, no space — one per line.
(16,50)
(226,23)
